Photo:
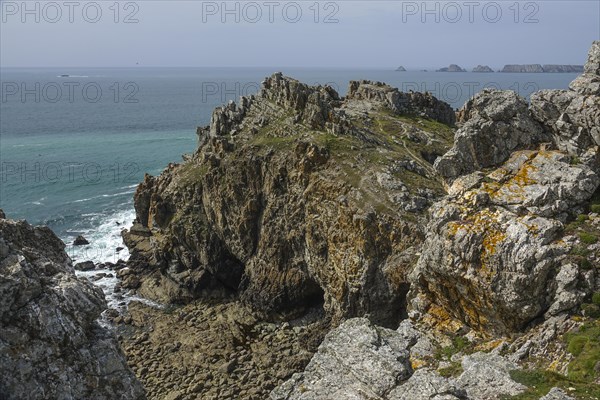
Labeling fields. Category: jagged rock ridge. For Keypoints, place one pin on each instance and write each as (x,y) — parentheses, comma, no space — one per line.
(295,198)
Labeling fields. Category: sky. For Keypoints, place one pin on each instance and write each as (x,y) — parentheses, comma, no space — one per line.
(348,34)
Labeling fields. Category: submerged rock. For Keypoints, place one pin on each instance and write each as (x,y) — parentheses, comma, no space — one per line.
(51,344)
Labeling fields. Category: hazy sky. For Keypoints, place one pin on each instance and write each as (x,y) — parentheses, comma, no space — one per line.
(357,34)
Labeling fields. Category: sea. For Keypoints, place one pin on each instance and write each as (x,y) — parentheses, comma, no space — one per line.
(75,142)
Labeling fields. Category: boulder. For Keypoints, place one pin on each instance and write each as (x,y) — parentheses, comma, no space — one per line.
(85,266)
(556,394)
(80,241)
(496,123)
(355,361)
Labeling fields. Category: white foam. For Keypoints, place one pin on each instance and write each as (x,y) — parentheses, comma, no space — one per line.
(104,240)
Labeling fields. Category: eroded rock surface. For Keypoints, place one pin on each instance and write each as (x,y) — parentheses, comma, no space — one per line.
(296,198)
(360,361)
(51,344)
(495,257)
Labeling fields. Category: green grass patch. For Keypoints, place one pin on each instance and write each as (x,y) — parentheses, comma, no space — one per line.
(581,251)
(190,172)
(588,238)
(453,370)
(338,145)
(539,383)
(459,344)
(584,345)
(276,142)
(590,310)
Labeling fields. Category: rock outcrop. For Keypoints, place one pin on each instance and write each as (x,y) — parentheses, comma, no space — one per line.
(466,261)
(356,360)
(495,256)
(295,198)
(51,344)
(361,361)
(495,123)
(482,68)
(401,69)
(589,82)
(452,68)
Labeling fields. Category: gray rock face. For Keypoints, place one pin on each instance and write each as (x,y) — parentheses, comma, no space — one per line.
(494,257)
(401,69)
(425,384)
(573,116)
(589,82)
(557,394)
(496,123)
(486,376)
(51,345)
(416,103)
(360,361)
(355,361)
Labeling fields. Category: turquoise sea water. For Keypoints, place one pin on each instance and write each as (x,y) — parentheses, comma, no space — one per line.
(73,148)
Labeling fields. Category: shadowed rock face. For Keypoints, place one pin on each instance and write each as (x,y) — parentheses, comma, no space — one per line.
(51,345)
(295,198)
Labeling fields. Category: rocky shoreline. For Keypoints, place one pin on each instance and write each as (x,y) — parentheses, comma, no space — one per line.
(373,246)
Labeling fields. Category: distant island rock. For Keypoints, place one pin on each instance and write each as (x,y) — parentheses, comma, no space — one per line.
(482,68)
(563,68)
(451,68)
(538,68)
(401,69)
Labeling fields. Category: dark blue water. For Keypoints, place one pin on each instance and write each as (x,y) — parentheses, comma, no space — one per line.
(73,148)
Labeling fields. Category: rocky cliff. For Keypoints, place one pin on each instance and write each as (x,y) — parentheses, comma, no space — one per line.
(51,344)
(496,255)
(476,244)
(296,198)
(506,290)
